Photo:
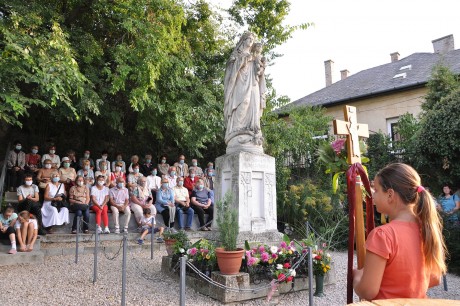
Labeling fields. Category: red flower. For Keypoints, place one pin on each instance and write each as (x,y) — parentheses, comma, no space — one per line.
(318,257)
(281,277)
(286,265)
(289,279)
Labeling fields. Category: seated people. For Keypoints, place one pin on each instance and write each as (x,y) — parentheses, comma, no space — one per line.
(100,199)
(194,166)
(33,160)
(172,177)
(116,173)
(147,166)
(44,176)
(119,203)
(87,173)
(190,181)
(28,199)
(181,166)
(7,223)
(86,156)
(182,202)
(163,167)
(148,226)
(15,164)
(26,231)
(209,179)
(154,182)
(67,174)
(165,204)
(104,156)
(51,216)
(134,160)
(119,160)
(140,197)
(79,197)
(51,155)
(104,171)
(134,176)
(73,159)
(202,203)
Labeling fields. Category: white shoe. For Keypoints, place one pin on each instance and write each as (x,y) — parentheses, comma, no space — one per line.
(99,230)
(117,230)
(125,230)
(106,230)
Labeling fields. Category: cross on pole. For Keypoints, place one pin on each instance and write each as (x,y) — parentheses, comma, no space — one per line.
(353,130)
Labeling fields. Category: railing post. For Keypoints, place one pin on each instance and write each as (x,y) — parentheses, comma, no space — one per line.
(151,238)
(183,261)
(444,281)
(77,238)
(310,277)
(96,245)
(123,271)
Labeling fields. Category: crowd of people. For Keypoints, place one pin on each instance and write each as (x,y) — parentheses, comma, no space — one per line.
(49,187)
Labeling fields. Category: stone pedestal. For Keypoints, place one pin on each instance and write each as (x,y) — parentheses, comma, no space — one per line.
(251,179)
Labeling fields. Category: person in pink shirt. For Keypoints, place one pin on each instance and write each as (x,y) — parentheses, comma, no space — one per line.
(406,256)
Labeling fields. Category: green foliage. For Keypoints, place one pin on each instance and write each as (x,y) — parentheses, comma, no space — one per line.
(309,201)
(378,152)
(182,241)
(266,20)
(436,150)
(407,128)
(452,240)
(227,221)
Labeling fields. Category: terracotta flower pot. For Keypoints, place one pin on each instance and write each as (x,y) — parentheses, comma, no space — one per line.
(169,243)
(229,261)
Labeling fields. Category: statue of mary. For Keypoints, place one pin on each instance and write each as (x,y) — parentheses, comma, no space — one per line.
(244,92)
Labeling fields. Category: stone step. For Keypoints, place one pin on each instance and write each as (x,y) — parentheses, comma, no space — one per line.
(5,245)
(11,197)
(131,227)
(34,257)
(88,248)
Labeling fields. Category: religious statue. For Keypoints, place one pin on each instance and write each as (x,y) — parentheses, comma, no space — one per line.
(244,94)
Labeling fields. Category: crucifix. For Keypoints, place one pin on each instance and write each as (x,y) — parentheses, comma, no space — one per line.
(353,130)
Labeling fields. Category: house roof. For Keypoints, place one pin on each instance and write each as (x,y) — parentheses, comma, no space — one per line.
(412,71)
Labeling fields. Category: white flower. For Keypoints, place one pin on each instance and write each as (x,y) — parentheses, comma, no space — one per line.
(328,255)
(181,250)
(273,249)
(279,266)
(292,272)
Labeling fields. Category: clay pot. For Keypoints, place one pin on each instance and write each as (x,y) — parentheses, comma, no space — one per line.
(229,261)
(169,243)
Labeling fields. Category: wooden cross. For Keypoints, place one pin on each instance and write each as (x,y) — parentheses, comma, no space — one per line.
(353,130)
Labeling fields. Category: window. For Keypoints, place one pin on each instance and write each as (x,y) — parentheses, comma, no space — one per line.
(392,124)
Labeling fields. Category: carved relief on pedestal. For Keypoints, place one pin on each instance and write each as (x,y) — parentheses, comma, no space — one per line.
(270,185)
(245,184)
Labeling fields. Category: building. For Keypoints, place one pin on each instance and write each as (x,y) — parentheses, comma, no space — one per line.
(383,93)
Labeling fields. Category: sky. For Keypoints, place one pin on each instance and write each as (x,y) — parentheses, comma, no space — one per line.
(356,35)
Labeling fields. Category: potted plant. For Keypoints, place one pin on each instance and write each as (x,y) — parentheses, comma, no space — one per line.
(229,257)
(176,242)
(321,265)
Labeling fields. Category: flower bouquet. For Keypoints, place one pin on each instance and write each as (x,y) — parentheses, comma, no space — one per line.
(203,255)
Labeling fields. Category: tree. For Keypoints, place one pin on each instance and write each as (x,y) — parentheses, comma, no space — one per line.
(436,148)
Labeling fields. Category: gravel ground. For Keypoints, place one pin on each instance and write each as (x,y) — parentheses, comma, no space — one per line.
(59,281)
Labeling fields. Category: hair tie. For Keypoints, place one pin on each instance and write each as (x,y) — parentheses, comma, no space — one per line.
(420,189)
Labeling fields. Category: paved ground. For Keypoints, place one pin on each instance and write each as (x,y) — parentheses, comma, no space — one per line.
(59,281)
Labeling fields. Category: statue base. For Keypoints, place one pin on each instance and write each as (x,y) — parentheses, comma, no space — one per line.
(251,179)
(247,143)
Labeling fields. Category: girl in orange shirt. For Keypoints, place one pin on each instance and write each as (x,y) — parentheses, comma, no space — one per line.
(406,256)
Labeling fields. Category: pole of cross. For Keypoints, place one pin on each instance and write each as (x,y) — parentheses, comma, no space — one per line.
(183,261)
(307,224)
(77,238)
(310,277)
(151,238)
(96,245)
(123,270)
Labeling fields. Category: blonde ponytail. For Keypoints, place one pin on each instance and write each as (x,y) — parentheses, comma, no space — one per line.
(434,248)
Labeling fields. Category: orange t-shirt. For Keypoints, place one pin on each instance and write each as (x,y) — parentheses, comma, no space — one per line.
(405,275)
